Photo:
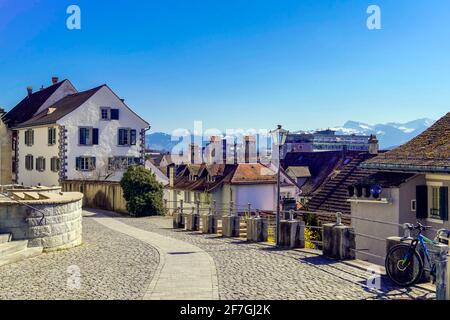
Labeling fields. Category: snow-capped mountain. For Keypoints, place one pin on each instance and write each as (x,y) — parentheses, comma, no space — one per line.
(390,134)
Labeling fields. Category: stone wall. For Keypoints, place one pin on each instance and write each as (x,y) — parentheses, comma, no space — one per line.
(60,228)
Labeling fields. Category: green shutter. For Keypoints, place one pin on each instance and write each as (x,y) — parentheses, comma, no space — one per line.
(421,202)
(443,203)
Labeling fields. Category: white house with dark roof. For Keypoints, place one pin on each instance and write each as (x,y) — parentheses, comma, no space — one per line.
(89,135)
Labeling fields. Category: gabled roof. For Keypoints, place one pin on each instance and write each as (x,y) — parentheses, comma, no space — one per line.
(26,108)
(428,152)
(322,166)
(61,108)
(253,173)
(333,194)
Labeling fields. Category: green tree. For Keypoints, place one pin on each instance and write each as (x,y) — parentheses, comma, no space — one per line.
(143,193)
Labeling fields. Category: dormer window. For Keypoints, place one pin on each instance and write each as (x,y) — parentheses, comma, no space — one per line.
(211,178)
(192,177)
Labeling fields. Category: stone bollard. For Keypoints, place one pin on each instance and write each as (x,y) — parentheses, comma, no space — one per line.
(209,223)
(440,257)
(292,234)
(257,229)
(193,221)
(338,241)
(231,226)
(178,221)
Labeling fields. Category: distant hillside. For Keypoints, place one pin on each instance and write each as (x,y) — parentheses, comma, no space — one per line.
(390,134)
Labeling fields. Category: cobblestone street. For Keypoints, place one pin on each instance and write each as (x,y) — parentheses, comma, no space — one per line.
(114,265)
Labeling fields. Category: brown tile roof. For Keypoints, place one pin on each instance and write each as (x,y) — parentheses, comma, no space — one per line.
(61,108)
(26,108)
(253,173)
(322,166)
(333,194)
(428,152)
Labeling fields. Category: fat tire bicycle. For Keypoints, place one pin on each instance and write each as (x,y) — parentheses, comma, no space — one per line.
(404,262)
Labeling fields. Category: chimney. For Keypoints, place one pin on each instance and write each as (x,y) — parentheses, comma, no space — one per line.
(193,153)
(373,144)
(214,154)
(55,80)
(250,149)
(30,90)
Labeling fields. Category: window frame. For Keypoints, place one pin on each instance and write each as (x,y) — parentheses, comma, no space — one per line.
(55,164)
(108,113)
(51,136)
(29,164)
(29,137)
(131,137)
(86,163)
(40,164)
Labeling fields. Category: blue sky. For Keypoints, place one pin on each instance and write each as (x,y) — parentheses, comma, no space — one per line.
(237,64)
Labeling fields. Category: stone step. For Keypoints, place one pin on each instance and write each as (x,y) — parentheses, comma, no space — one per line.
(12,247)
(20,255)
(5,237)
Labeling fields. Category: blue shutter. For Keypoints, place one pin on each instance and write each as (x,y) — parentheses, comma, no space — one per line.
(95,136)
(114,114)
(82,134)
(443,203)
(77,163)
(120,137)
(133,137)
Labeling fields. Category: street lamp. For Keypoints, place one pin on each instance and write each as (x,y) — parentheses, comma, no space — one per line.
(279,138)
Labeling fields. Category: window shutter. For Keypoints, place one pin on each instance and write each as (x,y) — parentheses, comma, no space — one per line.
(93,163)
(78,163)
(421,202)
(114,114)
(32,137)
(443,203)
(95,136)
(82,136)
(133,137)
(49,136)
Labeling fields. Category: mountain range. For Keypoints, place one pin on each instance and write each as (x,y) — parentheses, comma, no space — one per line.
(390,134)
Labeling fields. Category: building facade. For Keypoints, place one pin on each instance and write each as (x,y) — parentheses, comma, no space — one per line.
(89,135)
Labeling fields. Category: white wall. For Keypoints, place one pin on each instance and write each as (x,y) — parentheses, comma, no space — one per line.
(386,212)
(40,148)
(260,196)
(89,115)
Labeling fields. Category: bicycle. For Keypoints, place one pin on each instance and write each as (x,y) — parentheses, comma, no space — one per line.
(404,264)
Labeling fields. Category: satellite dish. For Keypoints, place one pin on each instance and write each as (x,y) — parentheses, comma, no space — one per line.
(376,191)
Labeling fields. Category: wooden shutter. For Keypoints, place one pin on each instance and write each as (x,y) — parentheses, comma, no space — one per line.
(78,163)
(133,137)
(114,114)
(82,136)
(421,202)
(95,136)
(443,203)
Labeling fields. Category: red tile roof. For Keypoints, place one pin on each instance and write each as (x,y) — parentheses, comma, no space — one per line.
(428,152)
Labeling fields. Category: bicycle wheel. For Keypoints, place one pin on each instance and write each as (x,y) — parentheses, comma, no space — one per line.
(404,273)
